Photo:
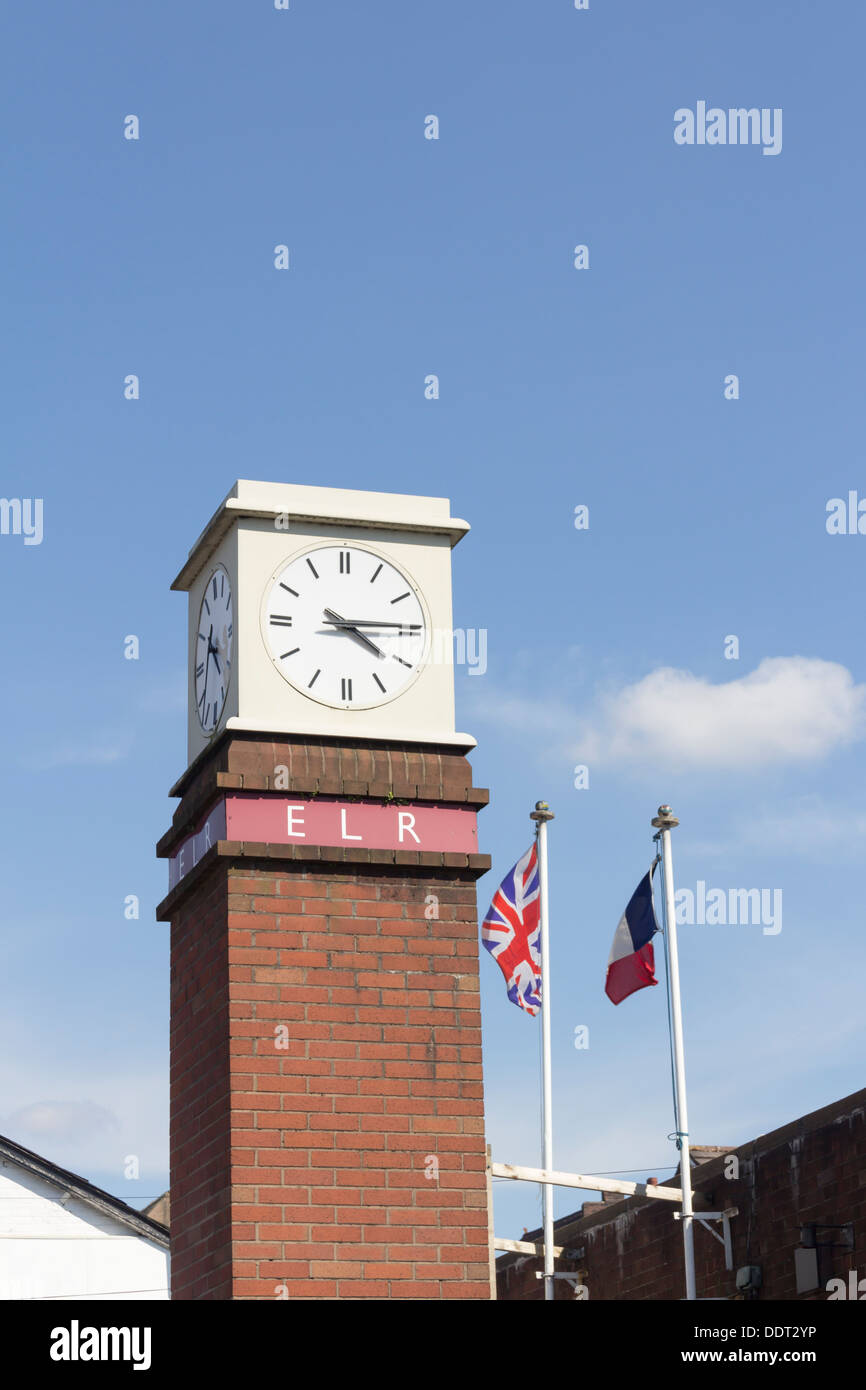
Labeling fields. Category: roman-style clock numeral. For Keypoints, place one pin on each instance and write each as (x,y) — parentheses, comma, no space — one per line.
(199,668)
(345,558)
(346,689)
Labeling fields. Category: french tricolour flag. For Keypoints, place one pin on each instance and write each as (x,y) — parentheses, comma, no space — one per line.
(631,965)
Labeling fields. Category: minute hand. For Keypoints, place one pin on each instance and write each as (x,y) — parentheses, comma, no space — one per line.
(371,622)
(334,620)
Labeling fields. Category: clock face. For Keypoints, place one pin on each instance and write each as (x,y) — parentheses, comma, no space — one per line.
(213,649)
(345,626)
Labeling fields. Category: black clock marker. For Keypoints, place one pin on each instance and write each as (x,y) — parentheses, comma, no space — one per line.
(313,568)
(291,653)
(379,683)
(402,662)
(315,678)
(214,586)
(376,574)
(207,606)
(281,620)
(346,688)
(400,597)
(344,562)
(199,669)
(293,592)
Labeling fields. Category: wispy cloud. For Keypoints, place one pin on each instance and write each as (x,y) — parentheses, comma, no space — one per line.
(788,710)
(805,826)
(101,753)
(51,1121)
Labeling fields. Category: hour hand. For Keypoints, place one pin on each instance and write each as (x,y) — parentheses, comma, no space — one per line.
(354,631)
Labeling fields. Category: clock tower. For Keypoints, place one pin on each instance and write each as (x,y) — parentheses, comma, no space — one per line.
(327,1129)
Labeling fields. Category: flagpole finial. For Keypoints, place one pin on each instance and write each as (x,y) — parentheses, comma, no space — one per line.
(542,812)
(665,820)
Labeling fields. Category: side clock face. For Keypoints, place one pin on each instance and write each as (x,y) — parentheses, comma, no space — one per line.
(213,649)
(345,626)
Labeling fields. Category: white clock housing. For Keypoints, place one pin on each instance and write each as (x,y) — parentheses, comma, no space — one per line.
(360,584)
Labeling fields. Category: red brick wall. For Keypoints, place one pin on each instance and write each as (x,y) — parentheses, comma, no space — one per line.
(811,1171)
(381,1073)
(199,1140)
(349,1163)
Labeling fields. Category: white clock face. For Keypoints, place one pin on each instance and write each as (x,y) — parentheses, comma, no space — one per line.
(212,657)
(345,626)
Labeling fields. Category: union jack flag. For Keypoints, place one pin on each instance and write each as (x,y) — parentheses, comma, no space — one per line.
(511,931)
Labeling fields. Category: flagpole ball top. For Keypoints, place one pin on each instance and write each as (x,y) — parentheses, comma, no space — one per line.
(665,820)
(542,812)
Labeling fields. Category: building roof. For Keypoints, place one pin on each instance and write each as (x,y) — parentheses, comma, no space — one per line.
(160,1209)
(85,1191)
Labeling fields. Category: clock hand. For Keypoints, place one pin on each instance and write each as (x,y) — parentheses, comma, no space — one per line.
(207,664)
(212,651)
(371,622)
(337,621)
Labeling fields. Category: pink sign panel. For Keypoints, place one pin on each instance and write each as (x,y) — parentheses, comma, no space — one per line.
(288,820)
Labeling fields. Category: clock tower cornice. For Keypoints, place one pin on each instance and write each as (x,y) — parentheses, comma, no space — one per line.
(337,509)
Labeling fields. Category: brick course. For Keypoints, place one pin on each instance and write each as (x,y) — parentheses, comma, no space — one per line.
(326,1057)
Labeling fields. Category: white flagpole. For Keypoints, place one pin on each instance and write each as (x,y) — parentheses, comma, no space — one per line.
(541,815)
(665,822)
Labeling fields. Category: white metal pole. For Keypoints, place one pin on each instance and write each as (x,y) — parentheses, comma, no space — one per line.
(541,815)
(665,822)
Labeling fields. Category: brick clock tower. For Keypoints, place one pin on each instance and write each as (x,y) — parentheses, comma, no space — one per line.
(327,1125)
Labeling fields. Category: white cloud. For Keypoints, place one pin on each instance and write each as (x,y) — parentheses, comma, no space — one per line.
(789,709)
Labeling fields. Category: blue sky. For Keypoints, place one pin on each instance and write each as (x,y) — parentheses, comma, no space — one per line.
(558,387)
